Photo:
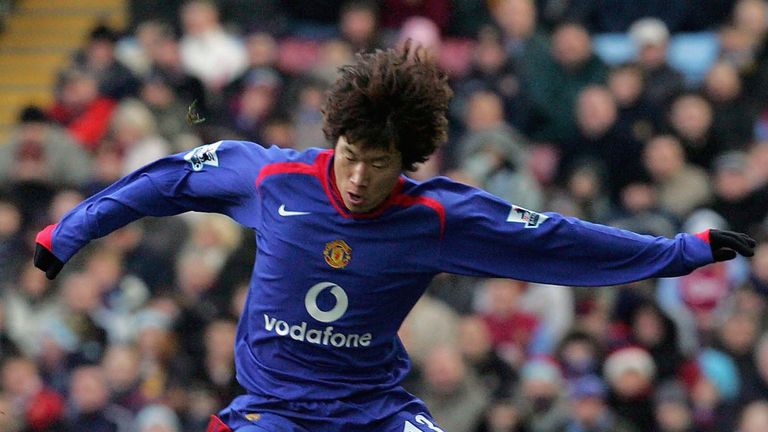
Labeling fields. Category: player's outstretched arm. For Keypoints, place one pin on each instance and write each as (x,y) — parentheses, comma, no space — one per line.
(216,178)
(486,236)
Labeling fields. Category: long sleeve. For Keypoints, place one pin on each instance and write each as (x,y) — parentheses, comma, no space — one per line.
(486,236)
(215,178)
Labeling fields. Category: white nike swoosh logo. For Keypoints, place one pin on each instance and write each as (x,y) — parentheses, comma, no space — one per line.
(283,212)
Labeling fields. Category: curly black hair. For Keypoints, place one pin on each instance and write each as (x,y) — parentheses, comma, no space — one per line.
(390,99)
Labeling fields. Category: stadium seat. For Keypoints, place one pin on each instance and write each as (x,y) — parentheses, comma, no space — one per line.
(614,48)
(693,54)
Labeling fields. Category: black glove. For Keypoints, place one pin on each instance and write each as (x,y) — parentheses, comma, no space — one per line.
(45,260)
(726,244)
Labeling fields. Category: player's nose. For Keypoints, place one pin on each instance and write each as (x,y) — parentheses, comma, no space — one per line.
(359,175)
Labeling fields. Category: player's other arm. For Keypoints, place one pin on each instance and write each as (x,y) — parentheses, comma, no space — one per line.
(215,178)
(486,236)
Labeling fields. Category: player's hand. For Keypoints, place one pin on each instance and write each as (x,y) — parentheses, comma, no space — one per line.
(45,260)
(726,244)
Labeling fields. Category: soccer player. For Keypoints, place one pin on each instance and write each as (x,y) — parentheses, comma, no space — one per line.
(347,244)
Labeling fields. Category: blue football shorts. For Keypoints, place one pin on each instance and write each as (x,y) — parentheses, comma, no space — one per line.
(394,410)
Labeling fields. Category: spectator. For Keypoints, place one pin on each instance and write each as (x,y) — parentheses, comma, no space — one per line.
(253,105)
(121,364)
(119,295)
(492,70)
(737,337)
(82,318)
(163,365)
(601,136)
(81,108)
(494,373)
(758,164)
(8,348)
(745,208)
(116,81)
(657,334)
(713,393)
(754,418)
(588,409)
(651,37)
(135,51)
(630,373)
(495,161)
(359,25)
(502,415)
(331,55)
(28,303)
(422,31)
(133,130)
(512,328)
(306,115)
(279,131)
(756,388)
(91,410)
(570,67)
(733,113)
(627,85)
(157,418)
(430,323)
(455,398)
(40,408)
(758,278)
(672,408)
(9,423)
(150,266)
(681,186)
(691,120)
(39,150)
(579,355)
(543,399)
(524,43)
(167,62)
(263,53)
(11,242)
(58,355)
(640,211)
(208,52)
(169,112)
(553,305)
(217,367)
(584,193)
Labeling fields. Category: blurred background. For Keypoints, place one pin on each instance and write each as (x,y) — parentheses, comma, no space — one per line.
(649,115)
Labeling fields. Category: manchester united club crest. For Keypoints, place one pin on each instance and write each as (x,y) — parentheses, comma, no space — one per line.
(337,253)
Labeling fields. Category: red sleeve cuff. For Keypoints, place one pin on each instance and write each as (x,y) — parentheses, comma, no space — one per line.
(704,235)
(45,237)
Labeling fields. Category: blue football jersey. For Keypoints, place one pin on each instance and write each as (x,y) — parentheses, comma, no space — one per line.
(330,288)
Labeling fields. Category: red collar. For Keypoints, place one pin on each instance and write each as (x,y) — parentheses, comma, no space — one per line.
(324,163)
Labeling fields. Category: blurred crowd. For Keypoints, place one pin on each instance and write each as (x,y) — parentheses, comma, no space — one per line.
(137,333)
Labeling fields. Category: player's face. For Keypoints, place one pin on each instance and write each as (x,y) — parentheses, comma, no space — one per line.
(365,177)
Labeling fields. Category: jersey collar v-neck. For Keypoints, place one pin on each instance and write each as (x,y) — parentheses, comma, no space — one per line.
(324,163)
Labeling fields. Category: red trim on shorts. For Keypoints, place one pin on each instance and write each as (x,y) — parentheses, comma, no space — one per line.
(217,425)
